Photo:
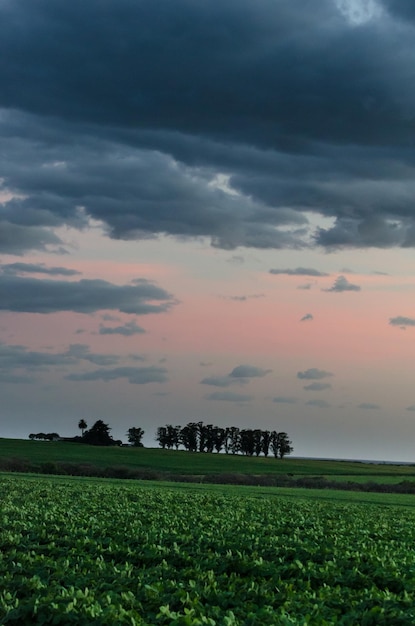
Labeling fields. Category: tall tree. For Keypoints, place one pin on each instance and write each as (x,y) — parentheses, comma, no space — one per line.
(266,442)
(99,435)
(135,436)
(82,425)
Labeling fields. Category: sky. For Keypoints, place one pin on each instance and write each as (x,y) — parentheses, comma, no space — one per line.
(207,214)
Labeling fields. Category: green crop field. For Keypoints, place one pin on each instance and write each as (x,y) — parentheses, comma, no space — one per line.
(82,551)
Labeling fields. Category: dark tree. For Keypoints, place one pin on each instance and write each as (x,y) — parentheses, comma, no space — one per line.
(234,439)
(168,436)
(257,441)
(82,425)
(135,436)
(266,442)
(99,435)
(280,444)
(285,446)
(247,441)
(188,436)
(219,438)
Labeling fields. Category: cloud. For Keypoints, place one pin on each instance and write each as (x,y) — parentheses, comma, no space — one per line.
(134,375)
(401,321)
(81,351)
(259,145)
(342,284)
(240,375)
(248,371)
(307,317)
(16,239)
(321,404)
(221,381)
(244,298)
(313,374)
(299,271)
(284,400)
(411,407)
(17,358)
(368,406)
(36,268)
(33,295)
(127,330)
(317,386)
(228,396)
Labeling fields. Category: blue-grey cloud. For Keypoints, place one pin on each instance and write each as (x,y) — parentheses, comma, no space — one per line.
(33,295)
(249,371)
(127,330)
(299,271)
(284,400)
(313,373)
(368,406)
(321,404)
(342,284)
(229,396)
(307,318)
(240,375)
(411,407)
(134,375)
(36,268)
(317,386)
(253,296)
(20,364)
(400,320)
(222,381)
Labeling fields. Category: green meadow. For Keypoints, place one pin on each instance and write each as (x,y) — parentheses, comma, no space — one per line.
(185,463)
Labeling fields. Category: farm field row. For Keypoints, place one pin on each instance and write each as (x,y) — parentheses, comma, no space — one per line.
(83,552)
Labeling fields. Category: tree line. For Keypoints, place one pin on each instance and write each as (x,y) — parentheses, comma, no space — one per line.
(97,435)
(193,437)
(200,437)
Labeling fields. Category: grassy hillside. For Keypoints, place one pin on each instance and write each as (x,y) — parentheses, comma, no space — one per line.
(185,463)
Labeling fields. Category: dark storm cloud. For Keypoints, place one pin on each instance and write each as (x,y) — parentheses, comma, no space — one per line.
(129,111)
(127,330)
(400,320)
(299,271)
(229,396)
(33,268)
(134,375)
(84,296)
(313,374)
(342,284)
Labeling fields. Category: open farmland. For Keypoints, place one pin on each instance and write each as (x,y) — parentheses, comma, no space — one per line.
(62,457)
(78,551)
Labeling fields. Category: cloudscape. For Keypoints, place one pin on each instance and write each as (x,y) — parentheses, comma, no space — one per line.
(207,213)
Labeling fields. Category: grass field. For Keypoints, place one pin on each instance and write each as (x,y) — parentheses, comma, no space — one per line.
(185,463)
